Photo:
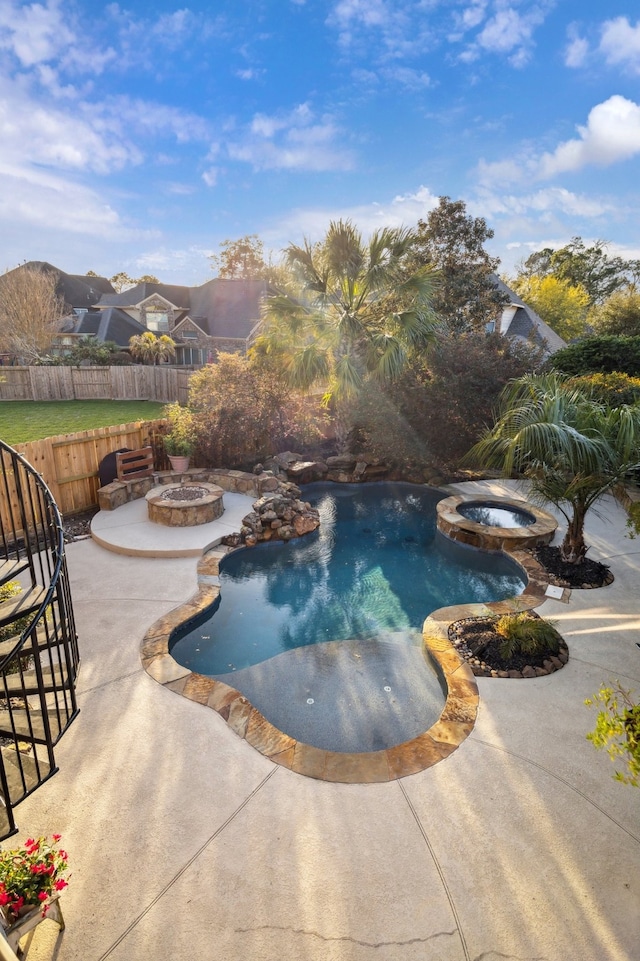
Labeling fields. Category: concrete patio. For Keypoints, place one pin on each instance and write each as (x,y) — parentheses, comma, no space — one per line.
(186,844)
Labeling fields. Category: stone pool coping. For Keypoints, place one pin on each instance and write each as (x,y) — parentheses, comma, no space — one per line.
(452,727)
(467,531)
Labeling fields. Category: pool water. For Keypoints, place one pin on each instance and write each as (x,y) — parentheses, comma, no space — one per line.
(492,516)
(374,570)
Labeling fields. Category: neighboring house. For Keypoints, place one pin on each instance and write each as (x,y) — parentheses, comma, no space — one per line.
(221,315)
(522,323)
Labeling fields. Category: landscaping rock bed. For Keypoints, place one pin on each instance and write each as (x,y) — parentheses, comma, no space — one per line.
(477,641)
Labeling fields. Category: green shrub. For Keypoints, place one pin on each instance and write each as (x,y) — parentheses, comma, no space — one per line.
(618,730)
(613,389)
(604,355)
(524,634)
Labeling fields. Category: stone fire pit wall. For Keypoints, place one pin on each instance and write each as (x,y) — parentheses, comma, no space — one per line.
(117,493)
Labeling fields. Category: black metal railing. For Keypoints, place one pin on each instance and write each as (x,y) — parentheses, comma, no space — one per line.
(39,656)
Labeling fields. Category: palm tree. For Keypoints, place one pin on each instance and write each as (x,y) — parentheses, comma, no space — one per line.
(357,313)
(150,349)
(572,449)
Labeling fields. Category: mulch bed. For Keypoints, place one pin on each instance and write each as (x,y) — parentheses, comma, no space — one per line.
(78,526)
(586,575)
(478,642)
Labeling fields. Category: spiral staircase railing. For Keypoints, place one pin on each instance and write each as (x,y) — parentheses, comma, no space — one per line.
(39,657)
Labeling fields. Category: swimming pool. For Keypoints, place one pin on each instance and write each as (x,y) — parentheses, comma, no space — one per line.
(323,634)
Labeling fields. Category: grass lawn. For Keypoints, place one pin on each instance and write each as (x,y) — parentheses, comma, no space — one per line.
(24,420)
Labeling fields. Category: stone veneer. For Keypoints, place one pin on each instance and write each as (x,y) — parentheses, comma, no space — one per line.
(117,493)
(172,511)
(466,531)
(445,736)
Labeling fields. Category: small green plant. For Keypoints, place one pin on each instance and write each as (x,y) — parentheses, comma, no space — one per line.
(618,729)
(524,634)
(180,439)
(7,591)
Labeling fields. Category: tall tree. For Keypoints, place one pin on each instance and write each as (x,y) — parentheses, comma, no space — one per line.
(122,281)
(572,449)
(619,314)
(359,314)
(561,305)
(452,242)
(589,267)
(31,312)
(241,259)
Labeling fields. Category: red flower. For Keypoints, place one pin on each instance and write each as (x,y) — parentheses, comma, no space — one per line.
(60,884)
(63,855)
(56,837)
(42,896)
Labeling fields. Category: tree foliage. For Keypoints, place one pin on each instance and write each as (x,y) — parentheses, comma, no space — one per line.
(610,389)
(31,312)
(619,314)
(241,259)
(122,281)
(359,314)
(604,354)
(571,449)
(591,268)
(452,242)
(444,400)
(149,349)
(244,411)
(561,305)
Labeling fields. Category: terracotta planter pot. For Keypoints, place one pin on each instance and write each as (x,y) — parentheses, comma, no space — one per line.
(179,463)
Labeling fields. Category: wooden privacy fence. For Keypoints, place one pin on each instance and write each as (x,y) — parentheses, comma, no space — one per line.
(135,382)
(69,463)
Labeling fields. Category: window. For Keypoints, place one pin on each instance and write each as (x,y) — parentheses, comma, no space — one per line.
(157,320)
(190,356)
(189,335)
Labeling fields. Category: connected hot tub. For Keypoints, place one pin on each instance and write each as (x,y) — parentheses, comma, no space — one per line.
(494,523)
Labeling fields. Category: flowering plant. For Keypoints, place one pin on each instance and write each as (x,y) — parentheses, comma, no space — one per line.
(31,874)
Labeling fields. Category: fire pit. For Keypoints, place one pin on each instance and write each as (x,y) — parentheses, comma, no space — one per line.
(185,505)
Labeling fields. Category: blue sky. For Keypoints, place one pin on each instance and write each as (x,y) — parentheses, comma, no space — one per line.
(138,136)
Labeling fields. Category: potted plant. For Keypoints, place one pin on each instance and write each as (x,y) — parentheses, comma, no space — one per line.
(31,876)
(179,442)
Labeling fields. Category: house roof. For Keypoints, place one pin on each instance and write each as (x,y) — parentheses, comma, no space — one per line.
(227,308)
(177,296)
(109,324)
(526,324)
(76,290)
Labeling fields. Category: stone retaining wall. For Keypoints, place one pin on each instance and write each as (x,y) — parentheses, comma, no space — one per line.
(117,493)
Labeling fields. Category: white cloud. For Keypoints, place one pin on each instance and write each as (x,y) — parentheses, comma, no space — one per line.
(407,77)
(507,31)
(44,201)
(576,52)
(549,200)
(291,141)
(34,33)
(403,210)
(31,133)
(612,134)
(620,43)
(210,176)
(511,32)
